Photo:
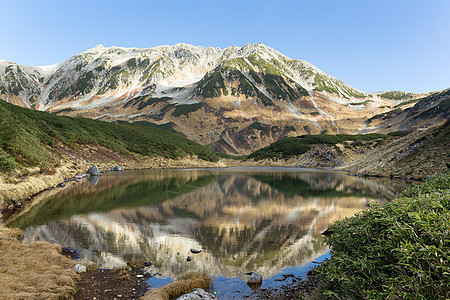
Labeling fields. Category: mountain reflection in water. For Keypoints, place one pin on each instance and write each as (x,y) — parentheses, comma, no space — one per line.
(258,219)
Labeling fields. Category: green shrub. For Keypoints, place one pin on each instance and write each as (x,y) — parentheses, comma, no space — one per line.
(26,136)
(284,148)
(185,109)
(288,147)
(7,163)
(396,95)
(394,251)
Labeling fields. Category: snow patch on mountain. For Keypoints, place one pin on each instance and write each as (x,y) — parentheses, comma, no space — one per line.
(103,75)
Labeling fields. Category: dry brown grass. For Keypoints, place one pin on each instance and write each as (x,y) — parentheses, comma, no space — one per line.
(37,271)
(10,234)
(175,289)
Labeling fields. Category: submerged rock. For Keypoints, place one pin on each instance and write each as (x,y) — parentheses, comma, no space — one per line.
(198,294)
(255,278)
(94,171)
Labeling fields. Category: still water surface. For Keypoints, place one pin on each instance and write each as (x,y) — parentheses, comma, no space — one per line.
(267,220)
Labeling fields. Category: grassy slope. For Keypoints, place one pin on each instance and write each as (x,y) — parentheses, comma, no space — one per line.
(26,136)
(294,146)
(394,251)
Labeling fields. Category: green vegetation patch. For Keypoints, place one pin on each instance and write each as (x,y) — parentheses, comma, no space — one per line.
(25,136)
(442,108)
(396,95)
(399,250)
(407,102)
(185,109)
(386,115)
(361,103)
(144,101)
(321,85)
(260,126)
(293,146)
(169,126)
(284,148)
(213,85)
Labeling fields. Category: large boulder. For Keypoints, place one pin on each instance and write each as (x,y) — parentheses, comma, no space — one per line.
(255,278)
(198,294)
(118,168)
(94,171)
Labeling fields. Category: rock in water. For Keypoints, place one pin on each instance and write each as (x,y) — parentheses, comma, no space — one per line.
(195,251)
(255,278)
(94,171)
(118,168)
(94,180)
(198,294)
(79,268)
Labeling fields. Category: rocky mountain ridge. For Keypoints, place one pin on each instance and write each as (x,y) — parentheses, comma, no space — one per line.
(236,99)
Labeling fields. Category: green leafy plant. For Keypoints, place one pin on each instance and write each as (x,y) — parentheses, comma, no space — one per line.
(399,250)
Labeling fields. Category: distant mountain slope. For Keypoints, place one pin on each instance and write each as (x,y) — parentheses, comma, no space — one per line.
(425,111)
(210,95)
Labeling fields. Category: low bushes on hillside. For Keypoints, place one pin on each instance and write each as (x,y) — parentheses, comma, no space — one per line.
(293,146)
(394,251)
(26,136)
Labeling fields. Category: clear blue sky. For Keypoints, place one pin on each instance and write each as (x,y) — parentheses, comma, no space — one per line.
(373,45)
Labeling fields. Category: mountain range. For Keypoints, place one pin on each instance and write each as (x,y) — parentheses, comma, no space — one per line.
(235,100)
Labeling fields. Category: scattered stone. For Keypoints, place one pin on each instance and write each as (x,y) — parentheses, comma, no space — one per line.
(255,278)
(71,252)
(195,251)
(118,168)
(189,258)
(104,284)
(140,276)
(62,185)
(94,171)
(198,294)
(79,268)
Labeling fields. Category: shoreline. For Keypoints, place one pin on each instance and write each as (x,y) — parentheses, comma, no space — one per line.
(27,190)
(14,195)
(300,285)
